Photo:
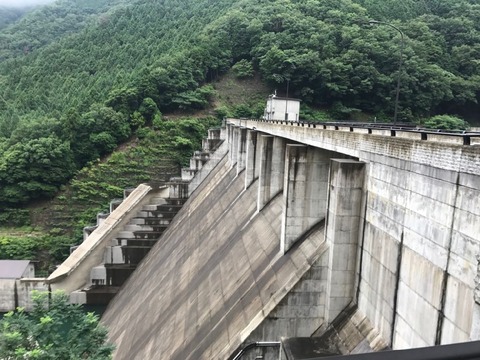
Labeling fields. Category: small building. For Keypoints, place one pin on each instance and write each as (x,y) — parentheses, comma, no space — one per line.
(281,108)
(17,280)
(16,269)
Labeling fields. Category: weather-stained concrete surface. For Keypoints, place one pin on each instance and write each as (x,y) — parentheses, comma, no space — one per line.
(211,279)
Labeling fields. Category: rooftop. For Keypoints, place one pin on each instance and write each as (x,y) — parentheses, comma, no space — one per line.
(13,269)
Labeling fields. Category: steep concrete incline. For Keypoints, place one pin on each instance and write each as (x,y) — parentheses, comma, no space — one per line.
(214,277)
(74,272)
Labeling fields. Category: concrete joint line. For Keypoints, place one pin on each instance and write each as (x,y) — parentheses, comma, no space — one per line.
(362,247)
(397,284)
(441,311)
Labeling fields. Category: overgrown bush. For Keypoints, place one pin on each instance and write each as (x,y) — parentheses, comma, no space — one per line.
(55,329)
(243,69)
(446,122)
(341,112)
(222,112)
(242,111)
(14,217)
(45,249)
(143,132)
(309,114)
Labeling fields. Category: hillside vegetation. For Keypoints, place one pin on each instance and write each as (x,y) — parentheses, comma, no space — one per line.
(80,78)
(168,50)
(40,26)
(9,15)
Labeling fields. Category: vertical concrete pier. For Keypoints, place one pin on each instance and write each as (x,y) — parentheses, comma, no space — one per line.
(258,156)
(272,167)
(242,149)
(278,165)
(304,191)
(343,224)
(229,130)
(265,173)
(233,136)
(251,163)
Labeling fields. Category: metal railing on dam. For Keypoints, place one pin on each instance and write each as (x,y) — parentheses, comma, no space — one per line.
(402,130)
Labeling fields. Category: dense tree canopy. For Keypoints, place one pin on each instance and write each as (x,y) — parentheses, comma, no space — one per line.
(95,72)
(9,15)
(34,167)
(329,54)
(43,25)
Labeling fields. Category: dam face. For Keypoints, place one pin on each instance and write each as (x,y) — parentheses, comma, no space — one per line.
(296,226)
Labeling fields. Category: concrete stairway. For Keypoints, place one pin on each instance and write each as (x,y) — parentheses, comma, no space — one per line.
(133,241)
(114,247)
(129,247)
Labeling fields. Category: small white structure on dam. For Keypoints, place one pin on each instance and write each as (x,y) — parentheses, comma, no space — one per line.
(280,108)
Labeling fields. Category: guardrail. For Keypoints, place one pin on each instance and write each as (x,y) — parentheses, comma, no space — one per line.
(400,130)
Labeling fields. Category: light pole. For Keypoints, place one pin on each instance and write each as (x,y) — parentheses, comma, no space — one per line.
(400,64)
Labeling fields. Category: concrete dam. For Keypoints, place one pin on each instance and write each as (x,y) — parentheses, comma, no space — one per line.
(363,239)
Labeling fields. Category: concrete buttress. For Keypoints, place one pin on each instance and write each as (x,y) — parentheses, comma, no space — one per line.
(272,168)
(251,163)
(343,223)
(264,191)
(304,191)
(278,165)
(234,135)
(242,150)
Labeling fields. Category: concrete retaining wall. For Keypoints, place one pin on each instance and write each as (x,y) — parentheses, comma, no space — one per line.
(419,255)
(17,293)
(417,266)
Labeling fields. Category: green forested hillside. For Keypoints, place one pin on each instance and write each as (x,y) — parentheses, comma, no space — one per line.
(323,48)
(83,94)
(9,15)
(116,50)
(79,78)
(84,99)
(75,97)
(46,24)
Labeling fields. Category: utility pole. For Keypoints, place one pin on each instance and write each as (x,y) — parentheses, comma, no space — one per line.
(400,64)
